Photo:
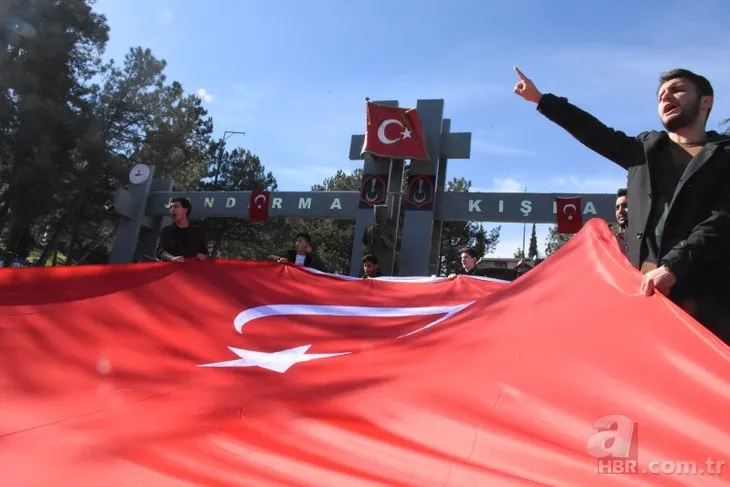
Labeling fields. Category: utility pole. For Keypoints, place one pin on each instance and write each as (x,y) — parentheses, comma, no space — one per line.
(524,227)
(228,134)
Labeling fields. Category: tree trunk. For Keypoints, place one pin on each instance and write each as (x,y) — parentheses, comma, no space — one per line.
(71,213)
(72,239)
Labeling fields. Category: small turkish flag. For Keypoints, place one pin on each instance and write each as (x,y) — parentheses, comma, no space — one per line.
(394,132)
(570,218)
(258,206)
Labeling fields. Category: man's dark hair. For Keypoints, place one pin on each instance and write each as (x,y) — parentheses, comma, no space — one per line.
(185,203)
(701,84)
(470,252)
(305,236)
(370,258)
(621,192)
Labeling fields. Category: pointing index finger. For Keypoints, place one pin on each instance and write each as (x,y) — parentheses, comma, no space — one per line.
(520,74)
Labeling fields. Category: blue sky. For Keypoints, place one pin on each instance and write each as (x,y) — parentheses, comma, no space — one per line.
(294,74)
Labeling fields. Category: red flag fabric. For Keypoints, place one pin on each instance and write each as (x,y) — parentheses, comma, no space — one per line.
(260,374)
(258,206)
(394,132)
(569,214)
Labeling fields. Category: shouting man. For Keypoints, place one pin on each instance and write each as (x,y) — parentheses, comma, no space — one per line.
(181,240)
(678,191)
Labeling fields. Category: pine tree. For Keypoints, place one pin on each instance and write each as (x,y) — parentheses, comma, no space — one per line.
(532,253)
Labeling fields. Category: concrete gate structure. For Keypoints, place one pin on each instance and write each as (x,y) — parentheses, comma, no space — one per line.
(143,205)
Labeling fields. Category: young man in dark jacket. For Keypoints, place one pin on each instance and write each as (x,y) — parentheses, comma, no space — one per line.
(302,254)
(370,267)
(181,240)
(469,258)
(622,218)
(678,191)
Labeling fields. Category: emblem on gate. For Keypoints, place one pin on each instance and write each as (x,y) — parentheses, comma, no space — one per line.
(373,190)
(420,193)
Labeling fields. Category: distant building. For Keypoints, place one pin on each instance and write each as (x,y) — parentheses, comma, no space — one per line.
(500,262)
(506,268)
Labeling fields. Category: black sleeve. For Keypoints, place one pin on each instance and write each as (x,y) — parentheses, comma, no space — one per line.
(707,245)
(203,242)
(317,263)
(163,243)
(612,144)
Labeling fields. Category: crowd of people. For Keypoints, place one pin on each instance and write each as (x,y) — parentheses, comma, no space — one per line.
(182,240)
(678,193)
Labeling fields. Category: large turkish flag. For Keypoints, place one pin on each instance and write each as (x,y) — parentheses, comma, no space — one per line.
(261,374)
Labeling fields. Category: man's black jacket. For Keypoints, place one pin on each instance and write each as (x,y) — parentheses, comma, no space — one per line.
(696,239)
(311,260)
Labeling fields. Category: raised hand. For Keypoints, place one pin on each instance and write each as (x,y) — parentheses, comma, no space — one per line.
(526,88)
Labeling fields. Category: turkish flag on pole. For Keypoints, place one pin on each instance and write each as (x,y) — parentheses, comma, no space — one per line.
(569,214)
(394,132)
(258,206)
(224,373)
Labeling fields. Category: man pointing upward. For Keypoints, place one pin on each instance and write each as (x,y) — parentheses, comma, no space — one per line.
(678,191)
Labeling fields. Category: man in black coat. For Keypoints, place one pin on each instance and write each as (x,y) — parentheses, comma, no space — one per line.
(302,254)
(181,240)
(678,192)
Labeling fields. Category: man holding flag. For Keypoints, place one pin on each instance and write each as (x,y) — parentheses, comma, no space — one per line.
(678,190)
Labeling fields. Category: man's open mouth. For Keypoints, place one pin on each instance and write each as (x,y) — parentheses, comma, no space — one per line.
(669,108)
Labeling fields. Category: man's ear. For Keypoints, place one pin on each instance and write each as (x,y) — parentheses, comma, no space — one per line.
(706,103)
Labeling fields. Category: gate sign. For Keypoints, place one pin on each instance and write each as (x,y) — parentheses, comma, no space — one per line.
(343,205)
(518,207)
(338,205)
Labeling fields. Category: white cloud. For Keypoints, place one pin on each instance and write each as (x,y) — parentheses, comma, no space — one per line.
(507,185)
(501,185)
(578,184)
(301,178)
(204,95)
(165,17)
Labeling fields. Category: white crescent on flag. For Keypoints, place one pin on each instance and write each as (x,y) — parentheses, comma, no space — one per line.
(282,360)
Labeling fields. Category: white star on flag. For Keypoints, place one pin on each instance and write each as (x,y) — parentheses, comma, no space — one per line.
(279,361)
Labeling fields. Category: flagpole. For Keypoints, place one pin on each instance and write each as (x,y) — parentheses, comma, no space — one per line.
(524,227)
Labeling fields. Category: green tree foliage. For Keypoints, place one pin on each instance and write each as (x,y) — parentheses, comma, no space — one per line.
(72,127)
(49,56)
(555,240)
(532,252)
(238,170)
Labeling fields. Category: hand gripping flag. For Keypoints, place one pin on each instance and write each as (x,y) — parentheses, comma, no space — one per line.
(257,374)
